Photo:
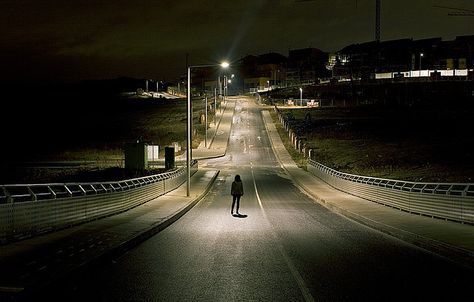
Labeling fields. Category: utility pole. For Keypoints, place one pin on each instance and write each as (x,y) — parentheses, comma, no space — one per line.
(377,20)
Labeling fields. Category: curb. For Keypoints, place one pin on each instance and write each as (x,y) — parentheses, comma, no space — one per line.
(453,253)
(113,252)
(228,139)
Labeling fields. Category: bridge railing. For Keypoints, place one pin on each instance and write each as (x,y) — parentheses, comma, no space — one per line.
(452,201)
(26,210)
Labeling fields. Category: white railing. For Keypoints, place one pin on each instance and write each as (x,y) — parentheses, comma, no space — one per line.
(452,201)
(26,210)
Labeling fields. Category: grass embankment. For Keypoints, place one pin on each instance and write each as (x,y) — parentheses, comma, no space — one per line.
(92,133)
(299,159)
(408,144)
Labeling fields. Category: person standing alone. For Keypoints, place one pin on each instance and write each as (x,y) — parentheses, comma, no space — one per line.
(236,191)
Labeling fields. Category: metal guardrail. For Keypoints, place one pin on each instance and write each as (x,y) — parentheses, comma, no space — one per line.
(26,210)
(452,201)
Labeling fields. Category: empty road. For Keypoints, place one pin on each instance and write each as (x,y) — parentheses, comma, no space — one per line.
(287,248)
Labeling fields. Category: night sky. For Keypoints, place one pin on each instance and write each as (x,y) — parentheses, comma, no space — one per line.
(71,40)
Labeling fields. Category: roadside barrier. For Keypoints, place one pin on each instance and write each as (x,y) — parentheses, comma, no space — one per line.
(450,201)
(27,210)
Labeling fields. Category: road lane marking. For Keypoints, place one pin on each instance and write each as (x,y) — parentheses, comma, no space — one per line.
(294,272)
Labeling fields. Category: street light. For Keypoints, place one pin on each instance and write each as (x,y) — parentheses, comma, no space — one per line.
(189,123)
(205,127)
(421,56)
(215,104)
(301,96)
(225,88)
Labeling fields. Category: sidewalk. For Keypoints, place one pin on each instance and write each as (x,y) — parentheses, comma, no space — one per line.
(218,135)
(450,239)
(33,263)
(36,262)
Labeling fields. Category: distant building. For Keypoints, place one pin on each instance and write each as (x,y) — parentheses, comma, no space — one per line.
(263,71)
(306,65)
(275,70)
(370,60)
(364,59)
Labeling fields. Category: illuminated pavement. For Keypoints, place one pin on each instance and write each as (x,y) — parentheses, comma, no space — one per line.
(451,239)
(287,248)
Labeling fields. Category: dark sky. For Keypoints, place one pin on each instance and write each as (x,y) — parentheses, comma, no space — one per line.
(69,40)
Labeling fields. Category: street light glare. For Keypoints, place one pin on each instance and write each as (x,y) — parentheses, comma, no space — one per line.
(224,64)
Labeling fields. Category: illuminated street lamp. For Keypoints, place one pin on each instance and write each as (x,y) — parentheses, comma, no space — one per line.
(189,123)
(421,56)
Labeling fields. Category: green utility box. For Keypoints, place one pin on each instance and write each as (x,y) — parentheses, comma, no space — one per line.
(169,158)
(136,156)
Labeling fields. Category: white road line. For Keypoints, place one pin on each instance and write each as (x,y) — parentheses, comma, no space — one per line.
(294,272)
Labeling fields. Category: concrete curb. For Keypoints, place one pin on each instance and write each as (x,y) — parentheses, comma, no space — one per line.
(451,252)
(218,124)
(228,139)
(113,252)
(147,233)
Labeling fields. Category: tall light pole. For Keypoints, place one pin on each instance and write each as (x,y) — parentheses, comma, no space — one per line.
(189,124)
(225,87)
(220,92)
(215,105)
(301,96)
(205,127)
(421,56)
(219,85)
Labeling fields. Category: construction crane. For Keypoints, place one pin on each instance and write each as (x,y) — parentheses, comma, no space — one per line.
(458,12)
(377,16)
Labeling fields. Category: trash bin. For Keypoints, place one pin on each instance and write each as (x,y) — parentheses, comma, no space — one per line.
(169,158)
(136,156)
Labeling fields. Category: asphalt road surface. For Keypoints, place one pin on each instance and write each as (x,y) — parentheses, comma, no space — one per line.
(287,248)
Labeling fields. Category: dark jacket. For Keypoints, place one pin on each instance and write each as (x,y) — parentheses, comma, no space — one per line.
(237,188)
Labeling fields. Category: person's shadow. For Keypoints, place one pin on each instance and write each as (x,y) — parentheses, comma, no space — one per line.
(240,215)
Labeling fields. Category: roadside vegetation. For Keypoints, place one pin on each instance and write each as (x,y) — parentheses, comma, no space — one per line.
(91,133)
(426,145)
(434,144)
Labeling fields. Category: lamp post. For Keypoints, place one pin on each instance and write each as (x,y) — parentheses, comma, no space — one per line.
(421,56)
(225,88)
(205,127)
(301,96)
(215,105)
(189,124)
